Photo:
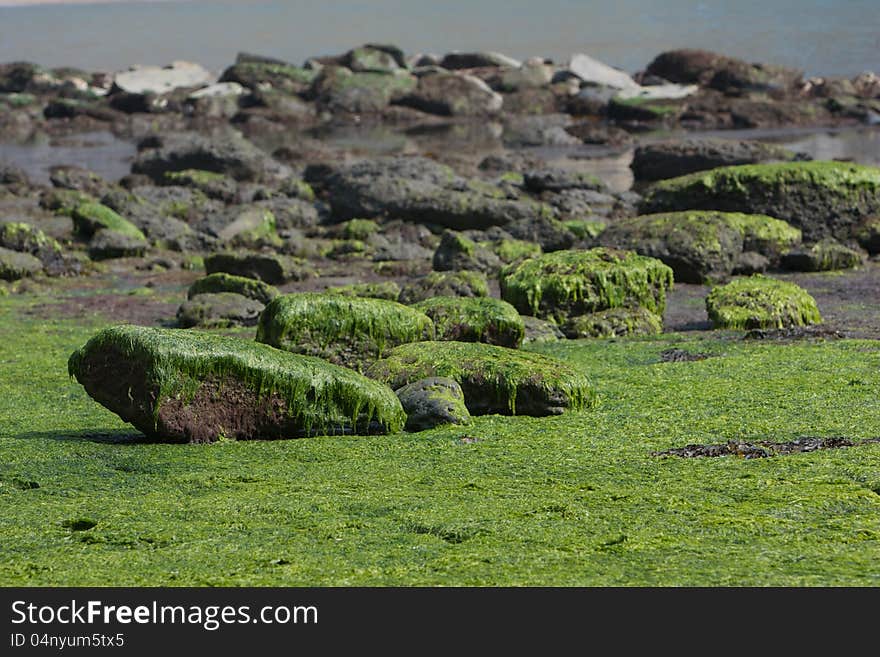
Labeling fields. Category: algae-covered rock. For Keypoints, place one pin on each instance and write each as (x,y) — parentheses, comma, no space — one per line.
(221,282)
(187,386)
(454,94)
(278,75)
(569,283)
(825,255)
(211,184)
(616,322)
(15,265)
(494,379)
(445,284)
(702,246)
(821,198)
(339,328)
(457,252)
(338,89)
(431,402)
(267,267)
(760,302)
(23,237)
(89,218)
(474,319)
(868,234)
(383,290)
(512,250)
(219,310)
(540,330)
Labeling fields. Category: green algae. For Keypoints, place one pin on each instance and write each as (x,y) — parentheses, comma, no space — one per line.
(332,325)
(510,250)
(573,500)
(462,283)
(563,283)
(761,302)
(585,229)
(491,377)
(20,236)
(89,218)
(175,363)
(474,319)
(359,229)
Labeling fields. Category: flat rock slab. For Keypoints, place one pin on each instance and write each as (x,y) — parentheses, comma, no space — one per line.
(159,80)
(186,386)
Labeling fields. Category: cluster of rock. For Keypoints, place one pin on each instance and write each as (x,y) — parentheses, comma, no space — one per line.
(690,88)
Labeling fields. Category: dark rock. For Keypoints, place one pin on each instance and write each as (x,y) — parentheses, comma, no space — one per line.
(751,262)
(672,159)
(432,402)
(338,89)
(276,74)
(454,94)
(559,179)
(540,330)
(219,310)
(269,268)
(721,72)
(107,243)
(826,255)
(445,284)
(464,60)
(230,155)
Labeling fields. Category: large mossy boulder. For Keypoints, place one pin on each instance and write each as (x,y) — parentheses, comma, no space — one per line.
(475,319)
(564,284)
(702,246)
(187,386)
(342,329)
(221,282)
(494,379)
(821,198)
(759,302)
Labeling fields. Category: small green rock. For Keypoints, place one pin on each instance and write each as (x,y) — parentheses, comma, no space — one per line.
(761,302)
(475,319)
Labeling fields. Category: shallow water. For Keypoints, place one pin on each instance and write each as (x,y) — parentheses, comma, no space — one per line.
(822,37)
(111,156)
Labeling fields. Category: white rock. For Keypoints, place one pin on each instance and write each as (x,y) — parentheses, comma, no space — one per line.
(595,72)
(219,90)
(156,79)
(659,92)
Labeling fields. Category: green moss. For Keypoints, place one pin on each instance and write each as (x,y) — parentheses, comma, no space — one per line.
(222,282)
(261,230)
(359,229)
(89,218)
(612,323)
(20,236)
(64,201)
(512,250)
(513,177)
(761,302)
(563,283)
(18,100)
(491,377)
(195,177)
(273,72)
(475,319)
(585,229)
(383,290)
(762,233)
(176,362)
(340,327)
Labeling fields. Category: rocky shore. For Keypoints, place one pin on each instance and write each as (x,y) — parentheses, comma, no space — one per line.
(422,271)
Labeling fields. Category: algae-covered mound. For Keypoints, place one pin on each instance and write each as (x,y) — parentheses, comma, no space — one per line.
(342,329)
(761,302)
(567,283)
(383,290)
(820,198)
(89,218)
(702,246)
(494,379)
(222,282)
(616,322)
(475,319)
(188,386)
(219,310)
